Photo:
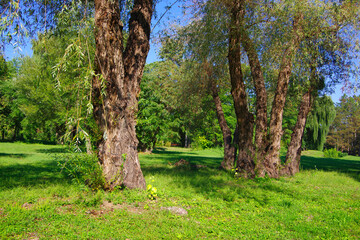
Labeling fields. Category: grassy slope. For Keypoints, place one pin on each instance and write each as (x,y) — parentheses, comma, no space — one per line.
(36,201)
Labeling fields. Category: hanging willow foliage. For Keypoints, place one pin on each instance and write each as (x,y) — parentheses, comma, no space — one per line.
(318,123)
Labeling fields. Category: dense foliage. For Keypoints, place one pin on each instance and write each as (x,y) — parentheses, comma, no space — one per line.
(45,104)
(344,133)
(157,120)
(318,123)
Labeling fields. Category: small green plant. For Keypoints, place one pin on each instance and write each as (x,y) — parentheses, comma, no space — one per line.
(235,172)
(332,153)
(151,190)
(84,169)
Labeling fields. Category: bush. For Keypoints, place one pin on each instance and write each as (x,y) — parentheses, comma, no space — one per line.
(343,154)
(84,169)
(201,142)
(332,153)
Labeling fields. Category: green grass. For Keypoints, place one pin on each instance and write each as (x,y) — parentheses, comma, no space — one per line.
(37,201)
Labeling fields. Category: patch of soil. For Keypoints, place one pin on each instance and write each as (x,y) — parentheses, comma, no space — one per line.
(176,210)
(32,236)
(198,166)
(181,162)
(109,206)
(68,208)
(27,206)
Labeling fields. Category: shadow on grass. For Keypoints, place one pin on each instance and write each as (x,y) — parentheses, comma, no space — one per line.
(53,150)
(29,175)
(14,155)
(205,181)
(208,181)
(171,157)
(211,182)
(350,167)
(160,150)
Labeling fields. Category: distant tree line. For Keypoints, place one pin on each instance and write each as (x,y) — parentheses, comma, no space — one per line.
(344,133)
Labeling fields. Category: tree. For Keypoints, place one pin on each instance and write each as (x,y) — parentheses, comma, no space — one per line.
(10,113)
(119,69)
(4,110)
(289,27)
(203,59)
(3,68)
(344,132)
(156,118)
(119,64)
(319,122)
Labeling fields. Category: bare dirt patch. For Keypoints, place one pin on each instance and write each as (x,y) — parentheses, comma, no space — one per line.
(107,207)
(32,236)
(27,206)
(176,210)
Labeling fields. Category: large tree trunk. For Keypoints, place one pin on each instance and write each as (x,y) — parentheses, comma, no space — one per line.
(260,142)
(245,120)
(293,154)
(116,89)
(259,83)
(229,148)
(273,162)
(262,156)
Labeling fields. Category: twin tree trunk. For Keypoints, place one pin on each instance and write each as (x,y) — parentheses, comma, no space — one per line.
(259,156)
(116,88)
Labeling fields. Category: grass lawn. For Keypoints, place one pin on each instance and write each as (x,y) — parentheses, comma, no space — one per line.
(38,202)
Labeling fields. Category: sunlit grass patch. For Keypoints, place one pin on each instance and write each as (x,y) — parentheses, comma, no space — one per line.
(37,201)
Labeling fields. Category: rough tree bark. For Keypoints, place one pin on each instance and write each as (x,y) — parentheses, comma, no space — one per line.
(116,88)
(229,148)
(261,98)
(273,162)
(245,120)
(293,154)
(260,157)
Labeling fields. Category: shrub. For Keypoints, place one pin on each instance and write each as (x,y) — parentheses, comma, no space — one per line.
(201,142)
(332,153)
(84,169)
